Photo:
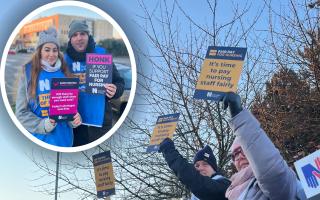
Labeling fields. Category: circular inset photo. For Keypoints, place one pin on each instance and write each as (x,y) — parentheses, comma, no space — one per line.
(68,76)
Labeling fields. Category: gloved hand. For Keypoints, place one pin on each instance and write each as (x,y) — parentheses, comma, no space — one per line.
(166,144)
(232,100)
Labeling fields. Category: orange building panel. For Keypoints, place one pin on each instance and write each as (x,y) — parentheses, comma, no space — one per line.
(41,24)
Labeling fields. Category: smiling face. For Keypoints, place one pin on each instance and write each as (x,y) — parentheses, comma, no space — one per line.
(204,168)
(79,41)
(49,53)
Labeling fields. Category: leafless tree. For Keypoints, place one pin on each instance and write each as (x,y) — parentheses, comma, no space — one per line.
(167,77)
(289,109)
(178,46)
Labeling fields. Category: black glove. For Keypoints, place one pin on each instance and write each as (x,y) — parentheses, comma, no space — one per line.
(166,144)
(232,100)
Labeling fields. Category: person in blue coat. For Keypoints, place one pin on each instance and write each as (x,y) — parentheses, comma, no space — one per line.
(32,103)
(95,110)
(262,174)
(201,177)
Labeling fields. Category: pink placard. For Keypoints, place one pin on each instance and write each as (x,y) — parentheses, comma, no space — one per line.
(63,101)
(99,59)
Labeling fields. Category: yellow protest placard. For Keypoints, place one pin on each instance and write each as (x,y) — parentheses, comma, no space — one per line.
(220,72)
(104,176)
(165,127)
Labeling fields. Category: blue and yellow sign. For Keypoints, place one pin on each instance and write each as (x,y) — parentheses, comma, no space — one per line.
(220,72)
(104,176)
(165,127)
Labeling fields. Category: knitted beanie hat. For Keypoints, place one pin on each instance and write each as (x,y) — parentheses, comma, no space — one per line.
(78,26)
(47,36)
(235,144)
(206,154)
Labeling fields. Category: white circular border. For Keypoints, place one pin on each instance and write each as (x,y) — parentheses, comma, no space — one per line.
(132,61)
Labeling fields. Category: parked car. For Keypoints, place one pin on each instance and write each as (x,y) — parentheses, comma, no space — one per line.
(12,51)
(118,105)
(23,51)
(30,49)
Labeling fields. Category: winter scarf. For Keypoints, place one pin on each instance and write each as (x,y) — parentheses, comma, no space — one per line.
(81,56)
(239,182)
(47,67)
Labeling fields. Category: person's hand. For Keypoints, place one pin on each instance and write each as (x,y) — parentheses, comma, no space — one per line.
(76,120)
(110,90)
(49,125)
(166,145)
(232,100)
(52,121)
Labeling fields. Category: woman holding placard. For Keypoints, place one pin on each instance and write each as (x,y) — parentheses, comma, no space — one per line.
(32,104)
(262,172)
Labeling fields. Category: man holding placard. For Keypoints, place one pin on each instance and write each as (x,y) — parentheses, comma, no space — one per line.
(95,109)
(202,178)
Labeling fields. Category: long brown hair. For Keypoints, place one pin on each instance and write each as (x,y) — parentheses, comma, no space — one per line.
(36,68)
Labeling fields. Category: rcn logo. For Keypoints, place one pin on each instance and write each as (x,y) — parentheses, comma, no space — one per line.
(213,52)
(62,117)
(312,174)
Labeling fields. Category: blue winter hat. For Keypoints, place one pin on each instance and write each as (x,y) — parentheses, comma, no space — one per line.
(206,154)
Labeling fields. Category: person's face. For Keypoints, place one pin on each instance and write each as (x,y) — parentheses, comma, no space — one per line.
(49,53)
(204,168)
(239,159)
(79,41)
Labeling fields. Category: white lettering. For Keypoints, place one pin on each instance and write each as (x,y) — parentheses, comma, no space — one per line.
(44,85)
(76,66)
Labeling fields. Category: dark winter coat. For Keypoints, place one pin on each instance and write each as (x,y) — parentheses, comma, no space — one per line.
(95,110)
(203,187)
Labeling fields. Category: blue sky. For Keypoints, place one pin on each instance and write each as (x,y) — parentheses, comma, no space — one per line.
(16,169)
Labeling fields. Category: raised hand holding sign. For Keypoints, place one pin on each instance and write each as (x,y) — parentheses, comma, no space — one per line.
(232,100)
